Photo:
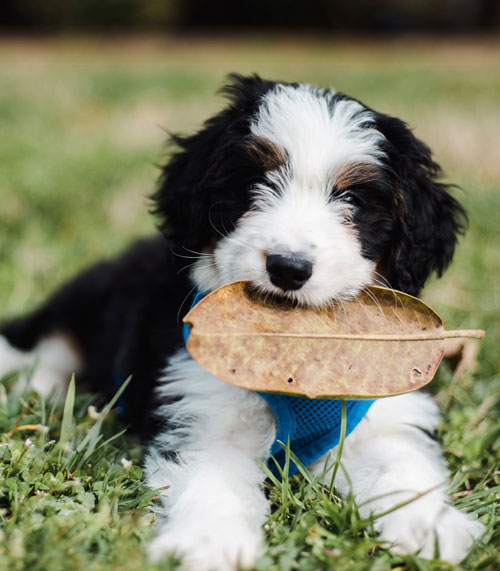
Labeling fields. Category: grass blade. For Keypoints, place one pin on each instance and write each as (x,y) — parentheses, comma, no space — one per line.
(67,419)
(343,426)
(89,443)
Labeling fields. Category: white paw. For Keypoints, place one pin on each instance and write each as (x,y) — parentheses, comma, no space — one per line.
(209,547)
(430,529)
(11,359)
(45,370)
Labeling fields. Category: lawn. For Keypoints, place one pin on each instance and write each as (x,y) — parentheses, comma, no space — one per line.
(83,122)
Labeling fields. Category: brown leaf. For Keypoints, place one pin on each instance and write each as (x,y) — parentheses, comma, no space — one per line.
(382,343)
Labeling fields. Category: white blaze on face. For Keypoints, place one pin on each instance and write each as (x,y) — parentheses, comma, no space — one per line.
(294,214)
(319,132)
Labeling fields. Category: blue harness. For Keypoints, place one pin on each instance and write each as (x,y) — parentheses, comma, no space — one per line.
(312,425)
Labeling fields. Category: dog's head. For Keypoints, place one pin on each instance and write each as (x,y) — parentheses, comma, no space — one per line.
(307,193)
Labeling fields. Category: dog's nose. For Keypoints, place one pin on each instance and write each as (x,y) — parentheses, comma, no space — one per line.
(288,272)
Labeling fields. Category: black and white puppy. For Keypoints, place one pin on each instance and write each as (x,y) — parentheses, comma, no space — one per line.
(340,196)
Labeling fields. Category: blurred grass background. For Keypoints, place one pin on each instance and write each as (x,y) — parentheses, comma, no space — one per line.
(84,119)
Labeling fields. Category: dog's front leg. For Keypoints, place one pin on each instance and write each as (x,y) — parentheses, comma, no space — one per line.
(391,457)
(205,466)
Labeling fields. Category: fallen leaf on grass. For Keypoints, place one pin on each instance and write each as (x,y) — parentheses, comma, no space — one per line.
(381,343)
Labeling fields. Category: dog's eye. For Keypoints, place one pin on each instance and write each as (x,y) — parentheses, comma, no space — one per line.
(349,198)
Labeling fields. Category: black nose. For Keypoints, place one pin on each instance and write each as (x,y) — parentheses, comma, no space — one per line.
(288,272)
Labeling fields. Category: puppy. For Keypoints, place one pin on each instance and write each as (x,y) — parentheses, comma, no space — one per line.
(310,195)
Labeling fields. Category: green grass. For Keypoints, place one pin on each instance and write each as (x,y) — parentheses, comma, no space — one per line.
(82,129)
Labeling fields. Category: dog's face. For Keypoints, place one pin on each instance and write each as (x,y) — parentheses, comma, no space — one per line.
(302,235)
(308,194)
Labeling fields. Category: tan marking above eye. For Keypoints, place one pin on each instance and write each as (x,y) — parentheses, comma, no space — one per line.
(267,154)
(355,173)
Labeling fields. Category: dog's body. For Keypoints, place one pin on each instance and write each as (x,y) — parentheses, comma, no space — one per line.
(311,196)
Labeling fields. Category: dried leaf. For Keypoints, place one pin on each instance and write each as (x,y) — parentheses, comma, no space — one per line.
(381,343)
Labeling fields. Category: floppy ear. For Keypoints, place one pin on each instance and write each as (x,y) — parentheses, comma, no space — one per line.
(428,219)
(201,190)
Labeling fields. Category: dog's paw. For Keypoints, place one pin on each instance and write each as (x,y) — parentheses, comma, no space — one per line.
(210,547)
(445,532)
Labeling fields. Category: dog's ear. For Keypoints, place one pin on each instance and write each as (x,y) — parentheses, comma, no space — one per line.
(202,187)
(428,219)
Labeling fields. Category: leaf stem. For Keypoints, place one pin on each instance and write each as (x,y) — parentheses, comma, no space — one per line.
(425,336)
